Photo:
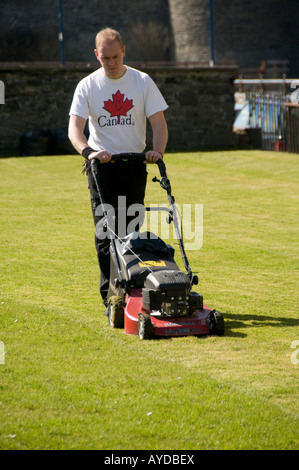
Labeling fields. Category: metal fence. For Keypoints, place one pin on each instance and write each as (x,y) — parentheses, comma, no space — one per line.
(276,118)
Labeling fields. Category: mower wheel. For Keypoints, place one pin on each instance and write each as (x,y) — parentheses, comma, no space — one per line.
(145,327)
(115,312)
(217,323)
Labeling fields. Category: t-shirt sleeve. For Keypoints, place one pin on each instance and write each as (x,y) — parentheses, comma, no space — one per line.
(154,101)
(80,105)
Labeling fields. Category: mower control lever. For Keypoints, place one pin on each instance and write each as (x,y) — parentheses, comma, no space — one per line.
(164,182)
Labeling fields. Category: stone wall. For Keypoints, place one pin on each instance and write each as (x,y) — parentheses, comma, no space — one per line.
(200,99)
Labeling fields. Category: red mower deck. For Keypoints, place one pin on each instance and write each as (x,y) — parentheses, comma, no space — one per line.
(196,324)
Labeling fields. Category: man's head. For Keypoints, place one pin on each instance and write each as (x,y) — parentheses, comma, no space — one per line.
(110,52)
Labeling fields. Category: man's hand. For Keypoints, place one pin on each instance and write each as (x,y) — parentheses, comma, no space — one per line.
(78,139)
(103,156)
(152,156)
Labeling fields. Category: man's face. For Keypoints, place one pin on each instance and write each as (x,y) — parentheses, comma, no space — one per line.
(111,56)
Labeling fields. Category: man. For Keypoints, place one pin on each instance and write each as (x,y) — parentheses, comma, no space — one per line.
(117,100)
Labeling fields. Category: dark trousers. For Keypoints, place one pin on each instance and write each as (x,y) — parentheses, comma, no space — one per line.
(114,179)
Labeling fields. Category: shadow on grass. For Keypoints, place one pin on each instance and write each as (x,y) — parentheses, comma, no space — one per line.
(234,321)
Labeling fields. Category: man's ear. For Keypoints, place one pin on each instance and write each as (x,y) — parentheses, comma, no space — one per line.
(96,54)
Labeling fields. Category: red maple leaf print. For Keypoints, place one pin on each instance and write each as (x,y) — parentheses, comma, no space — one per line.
(118,107)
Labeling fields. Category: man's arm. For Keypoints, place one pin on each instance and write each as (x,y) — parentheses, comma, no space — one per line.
(79,141)
(76,133)
(160,137)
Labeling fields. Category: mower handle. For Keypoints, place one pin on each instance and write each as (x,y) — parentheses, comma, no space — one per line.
(140,157)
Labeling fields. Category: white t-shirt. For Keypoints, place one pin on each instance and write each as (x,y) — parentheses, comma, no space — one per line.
(117,109)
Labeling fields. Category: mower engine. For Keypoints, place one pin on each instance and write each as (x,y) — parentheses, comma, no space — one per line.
(168,293)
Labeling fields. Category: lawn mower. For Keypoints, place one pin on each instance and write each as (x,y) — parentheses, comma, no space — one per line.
(148,294)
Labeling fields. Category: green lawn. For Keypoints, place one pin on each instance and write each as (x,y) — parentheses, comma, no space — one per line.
(69,381)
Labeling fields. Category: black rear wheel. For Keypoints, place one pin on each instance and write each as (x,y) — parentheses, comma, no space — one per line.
(217,323)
